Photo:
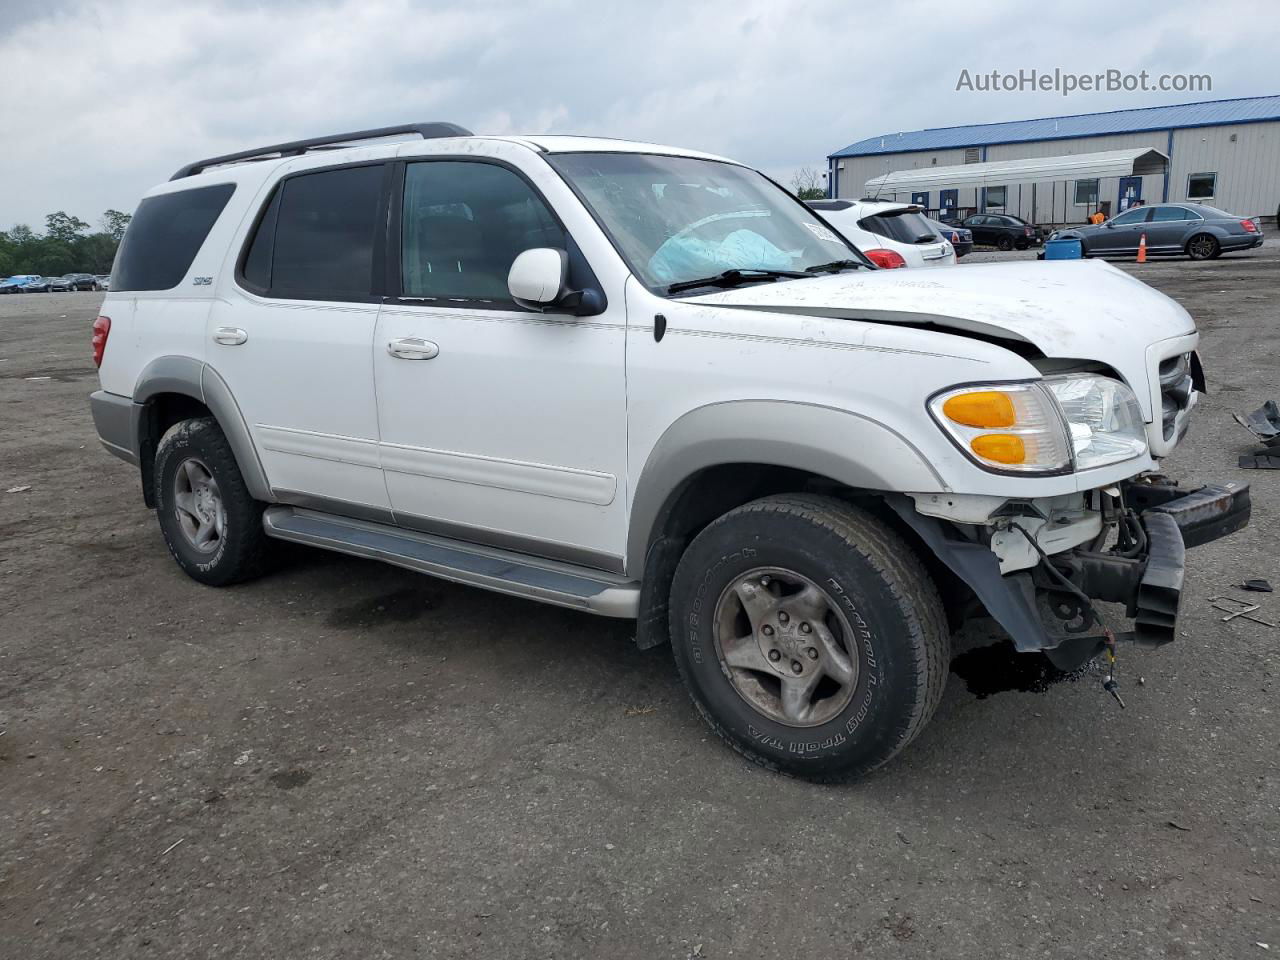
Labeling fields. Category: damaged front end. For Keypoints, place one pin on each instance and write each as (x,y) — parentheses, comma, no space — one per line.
(1037,566)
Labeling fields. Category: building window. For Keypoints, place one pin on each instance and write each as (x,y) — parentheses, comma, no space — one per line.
(1086,193)
(972,155)
(1201,186)
(996,196)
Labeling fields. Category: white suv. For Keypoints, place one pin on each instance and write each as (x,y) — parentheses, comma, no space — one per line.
(890,234)
(648,383)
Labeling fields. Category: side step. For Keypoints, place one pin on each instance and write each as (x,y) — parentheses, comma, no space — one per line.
(491,569)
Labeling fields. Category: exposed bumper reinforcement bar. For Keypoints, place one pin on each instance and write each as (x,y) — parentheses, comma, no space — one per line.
(1149,584)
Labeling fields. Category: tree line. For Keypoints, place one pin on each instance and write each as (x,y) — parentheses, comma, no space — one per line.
(66,246)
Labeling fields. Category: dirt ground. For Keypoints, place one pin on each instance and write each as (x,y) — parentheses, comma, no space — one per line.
(349,760)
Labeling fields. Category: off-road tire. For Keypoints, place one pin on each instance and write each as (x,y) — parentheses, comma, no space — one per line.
(880,585)
(242,551)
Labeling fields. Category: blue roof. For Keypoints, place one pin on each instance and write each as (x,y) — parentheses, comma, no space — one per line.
(1205,114)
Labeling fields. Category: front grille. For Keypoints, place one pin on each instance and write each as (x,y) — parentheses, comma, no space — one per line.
(1176,388)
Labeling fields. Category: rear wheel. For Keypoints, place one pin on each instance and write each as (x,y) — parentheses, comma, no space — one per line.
(809,635)
(1004,243)
(213,527)
(1203,246)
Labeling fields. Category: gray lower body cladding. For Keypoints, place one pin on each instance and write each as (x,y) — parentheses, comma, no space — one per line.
(116,420)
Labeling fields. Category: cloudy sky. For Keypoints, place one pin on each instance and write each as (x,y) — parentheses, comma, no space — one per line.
(100,100)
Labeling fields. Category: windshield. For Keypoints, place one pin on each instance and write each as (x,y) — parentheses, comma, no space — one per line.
(677,219)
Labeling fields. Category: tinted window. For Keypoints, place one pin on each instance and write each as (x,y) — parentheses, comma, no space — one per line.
(165,235)
(1132,216)
(904,227)
(1201,186)
(1086,192)
(462,226)
(315,240)
(1166,214)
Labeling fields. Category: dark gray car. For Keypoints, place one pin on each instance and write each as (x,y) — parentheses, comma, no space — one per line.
(1193,229)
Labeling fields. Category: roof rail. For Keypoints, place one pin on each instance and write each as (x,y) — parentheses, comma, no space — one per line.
(294,148)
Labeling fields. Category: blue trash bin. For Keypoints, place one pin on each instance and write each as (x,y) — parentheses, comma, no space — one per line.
(1062,250)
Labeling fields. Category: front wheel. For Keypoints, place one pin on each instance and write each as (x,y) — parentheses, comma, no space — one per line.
(213,527)
(1203,246)
(810,636)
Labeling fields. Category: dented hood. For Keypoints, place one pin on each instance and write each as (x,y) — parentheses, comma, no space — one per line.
(1082,309)
(1060,306)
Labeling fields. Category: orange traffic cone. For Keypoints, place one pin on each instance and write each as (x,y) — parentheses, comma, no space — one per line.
(1142,249)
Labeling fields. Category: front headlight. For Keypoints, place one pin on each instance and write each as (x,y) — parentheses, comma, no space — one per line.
(1104,418)
(1048,427)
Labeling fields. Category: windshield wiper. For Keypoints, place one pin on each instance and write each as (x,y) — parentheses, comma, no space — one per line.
(835,266)
(732,278)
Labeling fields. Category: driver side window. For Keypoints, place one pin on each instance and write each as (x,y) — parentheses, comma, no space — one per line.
(1131,216)
(463,224)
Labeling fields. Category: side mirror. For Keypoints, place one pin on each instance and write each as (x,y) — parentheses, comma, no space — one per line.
(537,277)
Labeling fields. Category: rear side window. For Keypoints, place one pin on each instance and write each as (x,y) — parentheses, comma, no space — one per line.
(315,239)
(165,235)
(903,227)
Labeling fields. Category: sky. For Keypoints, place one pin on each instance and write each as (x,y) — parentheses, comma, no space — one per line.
(99,101)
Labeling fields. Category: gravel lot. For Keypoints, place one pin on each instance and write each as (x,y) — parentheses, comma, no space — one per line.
(349,760)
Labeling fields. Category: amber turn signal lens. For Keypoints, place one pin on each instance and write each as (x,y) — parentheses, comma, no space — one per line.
(982,408)
(1000,447)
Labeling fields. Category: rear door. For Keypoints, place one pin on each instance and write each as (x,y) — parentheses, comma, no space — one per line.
(292,337)
(1166,228)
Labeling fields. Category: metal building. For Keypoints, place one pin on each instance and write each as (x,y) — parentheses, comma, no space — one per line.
(1225,153)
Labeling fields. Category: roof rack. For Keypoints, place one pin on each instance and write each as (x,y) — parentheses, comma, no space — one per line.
(294,148)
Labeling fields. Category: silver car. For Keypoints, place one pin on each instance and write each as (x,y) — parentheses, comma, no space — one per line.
(1193,229)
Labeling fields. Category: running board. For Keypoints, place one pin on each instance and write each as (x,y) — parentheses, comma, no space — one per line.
(488,568)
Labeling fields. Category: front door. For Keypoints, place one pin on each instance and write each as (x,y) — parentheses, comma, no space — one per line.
(921,199)
(1130,192)
(1120,234)
(500,425)
(292,339)
(948,200)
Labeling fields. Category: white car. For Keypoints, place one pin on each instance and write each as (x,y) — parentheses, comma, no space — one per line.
(890,234)
(645,382)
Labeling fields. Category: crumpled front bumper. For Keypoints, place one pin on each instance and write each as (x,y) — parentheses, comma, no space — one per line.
(1041,614)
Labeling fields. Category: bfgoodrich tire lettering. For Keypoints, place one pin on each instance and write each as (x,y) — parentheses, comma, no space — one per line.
(880,587)
(194,457)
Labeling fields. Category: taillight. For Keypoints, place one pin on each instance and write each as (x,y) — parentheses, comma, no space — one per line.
(955,238)
(101,330)
(1249,226)
(1026,231)
(885,259)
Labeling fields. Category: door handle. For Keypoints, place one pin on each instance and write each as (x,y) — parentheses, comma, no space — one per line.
(230,336)
(412,348)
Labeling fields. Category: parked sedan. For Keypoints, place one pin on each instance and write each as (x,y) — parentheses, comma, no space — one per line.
(103,282)
(961,239)
(890,234)
(82,281)
(36,285)
(1193,229)
(58,284)
(1004,231)
(17,283)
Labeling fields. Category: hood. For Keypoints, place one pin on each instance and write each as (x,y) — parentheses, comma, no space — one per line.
(1078,309)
